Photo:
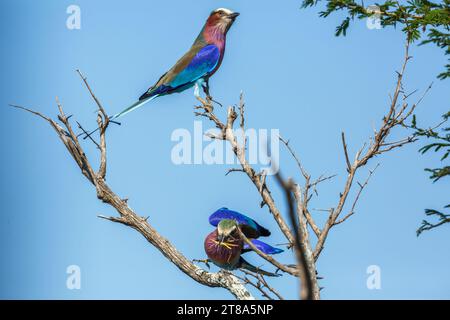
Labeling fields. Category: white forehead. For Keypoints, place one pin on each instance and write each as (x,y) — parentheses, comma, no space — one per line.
(227,11)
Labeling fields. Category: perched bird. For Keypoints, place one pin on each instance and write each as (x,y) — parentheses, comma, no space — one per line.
(197,65)
(224,246)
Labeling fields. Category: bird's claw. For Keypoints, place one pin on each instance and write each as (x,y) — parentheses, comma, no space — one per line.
(205,261)
(209,108)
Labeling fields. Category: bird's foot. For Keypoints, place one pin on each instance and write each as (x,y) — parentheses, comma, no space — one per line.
(205,261)
(206,106)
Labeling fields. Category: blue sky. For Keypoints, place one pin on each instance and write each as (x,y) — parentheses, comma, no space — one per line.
(296,76)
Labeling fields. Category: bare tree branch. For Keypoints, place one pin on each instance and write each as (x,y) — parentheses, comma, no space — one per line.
(227,134)
(261,284)
(344,145)
(297,160)
(269,258)
(297,197)
(259,180)
(395,117)
(257,285)
(361,188)
(126,215)
(300,246)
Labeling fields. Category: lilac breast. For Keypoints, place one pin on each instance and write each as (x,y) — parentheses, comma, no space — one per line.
(223,256)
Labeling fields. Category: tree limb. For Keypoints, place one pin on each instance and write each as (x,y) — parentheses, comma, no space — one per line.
(126,215)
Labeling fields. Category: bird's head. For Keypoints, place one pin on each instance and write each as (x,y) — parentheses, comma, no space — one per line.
(225,229)
(222,19)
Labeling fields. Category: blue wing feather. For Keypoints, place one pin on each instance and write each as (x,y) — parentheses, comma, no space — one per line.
(203,63)
(225,213)
(262,246)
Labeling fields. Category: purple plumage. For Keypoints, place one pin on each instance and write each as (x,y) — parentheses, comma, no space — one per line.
(225,255)
(224,246)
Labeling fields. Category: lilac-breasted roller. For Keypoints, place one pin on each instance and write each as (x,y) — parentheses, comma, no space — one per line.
(224,247)
(197,65)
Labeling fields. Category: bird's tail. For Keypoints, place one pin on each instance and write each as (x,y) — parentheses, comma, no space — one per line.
(245,265)
(134,106)
(262,246)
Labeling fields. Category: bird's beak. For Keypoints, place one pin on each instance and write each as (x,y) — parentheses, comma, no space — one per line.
(233,15)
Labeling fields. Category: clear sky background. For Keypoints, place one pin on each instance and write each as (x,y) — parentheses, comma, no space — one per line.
(296,76)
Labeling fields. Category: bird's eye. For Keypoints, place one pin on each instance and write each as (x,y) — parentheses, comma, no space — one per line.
(221,13)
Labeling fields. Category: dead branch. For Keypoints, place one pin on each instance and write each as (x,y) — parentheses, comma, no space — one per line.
(300,245)
(309,285)
(257,285)
(344,145)
(258,180)
(296,232)
(297,160)
(361,188)
(126,215)
(268,258)
(261,284)
(395,117)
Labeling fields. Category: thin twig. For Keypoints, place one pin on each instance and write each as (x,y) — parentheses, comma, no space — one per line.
(267,257)
(361,188)
(87,134)
(344,145)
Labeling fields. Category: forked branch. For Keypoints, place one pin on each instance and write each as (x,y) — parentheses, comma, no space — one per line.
(127,216)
